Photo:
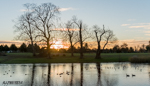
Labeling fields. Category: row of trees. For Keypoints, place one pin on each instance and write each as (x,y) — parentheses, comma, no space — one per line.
(125,49)
(22,48)
(116,49)
(39,23)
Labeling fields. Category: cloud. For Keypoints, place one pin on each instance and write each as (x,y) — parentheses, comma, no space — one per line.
(9,41)
(146,31)
(138,25)
(133,42)
(125,24)
(147,34)
(131,19)
(18,43)
(65,9)
(141,25)
(25,10)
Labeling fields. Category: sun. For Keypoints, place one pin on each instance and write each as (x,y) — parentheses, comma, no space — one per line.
(58,45)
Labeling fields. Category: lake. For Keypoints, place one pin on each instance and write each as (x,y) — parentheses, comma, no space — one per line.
(75,74)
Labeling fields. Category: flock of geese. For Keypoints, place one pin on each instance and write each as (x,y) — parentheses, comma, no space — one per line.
(129,75)
(9,72)
(67,73)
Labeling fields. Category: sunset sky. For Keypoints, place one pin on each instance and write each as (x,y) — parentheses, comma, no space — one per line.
(129,19)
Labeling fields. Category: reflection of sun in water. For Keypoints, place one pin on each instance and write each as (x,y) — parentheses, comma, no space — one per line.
(58,45)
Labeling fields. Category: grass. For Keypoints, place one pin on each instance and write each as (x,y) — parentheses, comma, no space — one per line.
(88,58)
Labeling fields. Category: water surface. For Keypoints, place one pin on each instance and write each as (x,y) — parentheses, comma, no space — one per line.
(75,74)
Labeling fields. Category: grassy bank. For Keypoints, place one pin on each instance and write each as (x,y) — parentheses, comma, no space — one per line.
(88,58)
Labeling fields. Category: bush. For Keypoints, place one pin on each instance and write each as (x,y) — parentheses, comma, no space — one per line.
(136,59)
(64,54)
(2,54)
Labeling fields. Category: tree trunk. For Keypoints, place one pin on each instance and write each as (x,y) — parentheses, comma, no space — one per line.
(98,52)
(81,42)
(48,49)
(72,50)
(33,50)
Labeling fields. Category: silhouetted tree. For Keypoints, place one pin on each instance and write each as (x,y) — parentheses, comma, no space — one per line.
(6,48)
(23,47)
(131,50)
(82,33)
(102,35)
(36,47)
(25,28)
(148,48)
(13,47)
(116,48)
(70,50)
(70,34)
(44,16)
(29,48)
(1,48)
(85,48)
(124,47)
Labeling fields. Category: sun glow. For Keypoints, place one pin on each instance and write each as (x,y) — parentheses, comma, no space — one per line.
(58,45)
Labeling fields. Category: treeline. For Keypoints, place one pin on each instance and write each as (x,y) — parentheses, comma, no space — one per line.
(116,49)
(22,48)
(125,49)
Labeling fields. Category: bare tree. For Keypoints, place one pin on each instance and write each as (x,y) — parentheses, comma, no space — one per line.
(44,22)
(82,33)
(70,34)
(25,28)
(103,37)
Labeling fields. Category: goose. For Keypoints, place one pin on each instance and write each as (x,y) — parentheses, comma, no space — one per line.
(133,75)
(127,75)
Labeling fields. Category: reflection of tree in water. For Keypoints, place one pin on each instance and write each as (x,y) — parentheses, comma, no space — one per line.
(32,78)
(72,72)
(38,77)
(149,70)
(123,66)
(99,74)
(109,80)
(49,70)
(81,84)
(76,75)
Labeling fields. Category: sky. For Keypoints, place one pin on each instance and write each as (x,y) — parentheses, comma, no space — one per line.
(129,19)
